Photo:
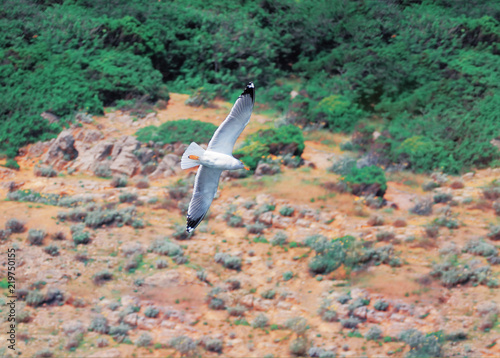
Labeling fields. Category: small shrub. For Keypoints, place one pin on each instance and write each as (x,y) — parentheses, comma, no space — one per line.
(102,276)
(457,184)
(44,353)
(385,236)
(445,221)
(367,180)
(180,233)
(52,250)
(102,342)
(326,311)
(119,181)
(73,341)
(235,221)
(228,261)
(4,234)
(80,237)
(200,97)
(184,345)
(260,321)
(99,324)
(492,191)
(44,171)
(213,345)
(422,207)
(298,346)
(103,170)
(15,226)
(442,198)
(343,166)
(496,207)
(119,332)
(381,305)
(142,183)
(373,334)
(481,248)
(202,275)
(287,211)
(287,275)
(216,304)
(233,284)
(35,237)
(350,322)
(429,185)
(297,325)
(166,247)
(12,164)
(343,299)
(432,231)
(161,263)
(269,294)
(257,228)
(399,223)
(376,220)
(144,340)
(421,345)
(35,298)
(494,233)
(151,312)
(127,197)
(237,310)
(280,238)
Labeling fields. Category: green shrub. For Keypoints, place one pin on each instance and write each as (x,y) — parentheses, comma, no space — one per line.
(184,345)
(367,180)
(494,233)
(151,312)
(287,211)
(52,250)
(281,141)
(45,171)
(102,276)
(381,305)
(35,237)
(213,345)
(260,321)
(144,340)
(228,261)
(103,170)
(99,324)
(15,225)
(373,334)
(12,164)
(119,181)
(200,97)
(183,131)
(269,294)
(481,248)
(166,247)
(337,113)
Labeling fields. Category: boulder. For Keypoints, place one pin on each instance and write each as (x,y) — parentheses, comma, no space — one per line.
(125,163)
(89,159)
(169,166)
(61,150)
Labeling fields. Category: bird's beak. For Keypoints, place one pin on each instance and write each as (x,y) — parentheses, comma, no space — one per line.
(247,168)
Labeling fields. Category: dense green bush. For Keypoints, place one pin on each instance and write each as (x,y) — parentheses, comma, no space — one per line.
(276,141)
(183,131)
(427,71)
(367,180)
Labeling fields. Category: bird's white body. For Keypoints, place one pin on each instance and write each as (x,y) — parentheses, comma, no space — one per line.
(221,161)
(216,158)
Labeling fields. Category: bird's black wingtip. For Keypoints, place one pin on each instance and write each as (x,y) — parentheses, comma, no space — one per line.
(250,90)
(193,223)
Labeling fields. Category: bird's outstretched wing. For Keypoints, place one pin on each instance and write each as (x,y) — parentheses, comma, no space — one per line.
(205,188)
(225,136)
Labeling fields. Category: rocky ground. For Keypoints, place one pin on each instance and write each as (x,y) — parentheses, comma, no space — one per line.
(112,273)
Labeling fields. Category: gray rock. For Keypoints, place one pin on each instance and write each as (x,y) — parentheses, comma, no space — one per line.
(163,279)
(169,166)
(61,150)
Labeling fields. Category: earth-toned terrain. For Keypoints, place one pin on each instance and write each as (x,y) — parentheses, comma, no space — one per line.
(113,273)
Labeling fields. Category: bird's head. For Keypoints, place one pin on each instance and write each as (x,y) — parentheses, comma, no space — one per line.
(244,166)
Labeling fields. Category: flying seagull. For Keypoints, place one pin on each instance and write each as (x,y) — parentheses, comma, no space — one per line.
(217,157)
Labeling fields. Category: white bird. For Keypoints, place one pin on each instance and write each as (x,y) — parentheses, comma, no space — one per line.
(217,157)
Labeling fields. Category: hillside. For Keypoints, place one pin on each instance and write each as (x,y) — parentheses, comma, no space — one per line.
(113,273)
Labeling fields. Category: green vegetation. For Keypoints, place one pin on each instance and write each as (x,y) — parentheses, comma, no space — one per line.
(367,180)
(273,141)
(428,71)
(183,130)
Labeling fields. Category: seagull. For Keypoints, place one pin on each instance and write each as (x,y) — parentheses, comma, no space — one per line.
(217,157)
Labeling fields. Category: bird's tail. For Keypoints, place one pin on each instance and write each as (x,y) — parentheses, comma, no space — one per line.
(192,155)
